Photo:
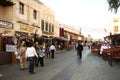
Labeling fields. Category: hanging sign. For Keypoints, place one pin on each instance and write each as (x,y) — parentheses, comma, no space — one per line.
(10,48)
(5,24)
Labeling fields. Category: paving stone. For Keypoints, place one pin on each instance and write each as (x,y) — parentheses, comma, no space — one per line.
(66,66)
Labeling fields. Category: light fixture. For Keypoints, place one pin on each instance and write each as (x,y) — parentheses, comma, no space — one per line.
(1,22)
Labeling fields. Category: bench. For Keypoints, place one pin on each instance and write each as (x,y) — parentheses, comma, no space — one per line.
(106,53)
(114,55)
(95,49)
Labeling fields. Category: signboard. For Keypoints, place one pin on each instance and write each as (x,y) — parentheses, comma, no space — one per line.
(5,24)
(10,48)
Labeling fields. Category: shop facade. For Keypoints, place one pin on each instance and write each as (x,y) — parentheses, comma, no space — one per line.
(19,25)
(6,32)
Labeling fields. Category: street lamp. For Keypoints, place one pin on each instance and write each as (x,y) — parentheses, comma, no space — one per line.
(35,31)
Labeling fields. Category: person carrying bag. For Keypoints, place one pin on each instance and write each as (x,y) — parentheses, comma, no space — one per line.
(41,55)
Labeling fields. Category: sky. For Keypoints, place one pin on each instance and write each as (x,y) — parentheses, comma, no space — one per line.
(91,16)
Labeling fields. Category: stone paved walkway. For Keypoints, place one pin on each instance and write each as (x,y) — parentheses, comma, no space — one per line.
(66,66)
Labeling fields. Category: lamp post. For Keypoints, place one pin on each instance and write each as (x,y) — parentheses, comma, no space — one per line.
(110,39)
(34,32)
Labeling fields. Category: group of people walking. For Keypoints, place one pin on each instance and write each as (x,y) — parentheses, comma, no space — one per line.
(34,54)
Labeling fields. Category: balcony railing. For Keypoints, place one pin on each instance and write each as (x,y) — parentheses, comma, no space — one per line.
(6,3)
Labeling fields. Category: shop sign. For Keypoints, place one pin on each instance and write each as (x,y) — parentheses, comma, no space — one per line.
(5,24)
(10,48)
(28,28)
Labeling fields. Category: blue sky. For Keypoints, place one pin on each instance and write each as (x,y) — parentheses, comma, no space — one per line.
(92,16)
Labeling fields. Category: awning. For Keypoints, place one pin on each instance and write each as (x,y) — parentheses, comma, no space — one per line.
(6,2)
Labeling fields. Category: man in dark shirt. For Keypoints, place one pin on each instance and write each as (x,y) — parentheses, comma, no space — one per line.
(80,49)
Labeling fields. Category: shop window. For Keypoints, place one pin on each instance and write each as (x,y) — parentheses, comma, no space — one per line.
(34,14)
(49,27)
(46,25)
(42,24)
(52,28)
(21,8)
(115,28)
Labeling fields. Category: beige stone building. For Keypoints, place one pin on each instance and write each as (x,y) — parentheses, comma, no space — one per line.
(57,29)
(116,25)
(67,35)
(29,19)
(26,17)
(23,19)
(71,33)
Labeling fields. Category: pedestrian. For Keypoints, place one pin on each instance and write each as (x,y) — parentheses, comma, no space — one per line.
(79,49)
(47,51)
(23,62)
(30,55)
(17,56)
(41,55)
(52,50)
(37,49)
(76,44)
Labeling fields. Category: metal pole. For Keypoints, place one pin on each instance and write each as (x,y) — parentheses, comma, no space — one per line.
(35,38)
(34,34)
